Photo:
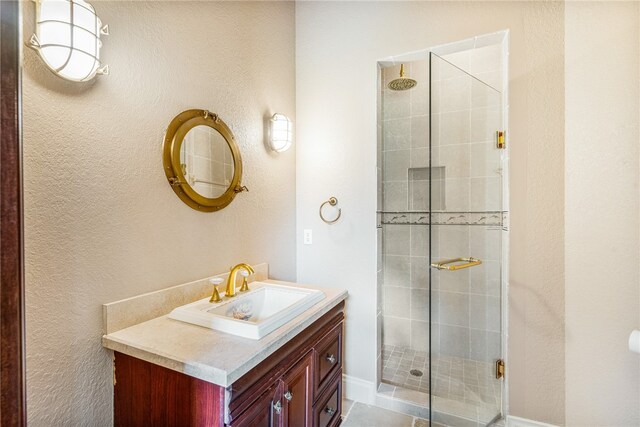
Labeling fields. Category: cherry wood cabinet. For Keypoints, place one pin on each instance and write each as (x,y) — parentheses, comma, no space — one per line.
(287,403)
(328,408)
(150,395)
(297,394)
(300,385)
(261,413)
(328,358)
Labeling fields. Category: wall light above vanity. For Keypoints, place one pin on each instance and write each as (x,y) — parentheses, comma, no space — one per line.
(67,38)
(280,133)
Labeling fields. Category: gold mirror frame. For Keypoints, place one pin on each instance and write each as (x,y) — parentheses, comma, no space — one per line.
(177,130)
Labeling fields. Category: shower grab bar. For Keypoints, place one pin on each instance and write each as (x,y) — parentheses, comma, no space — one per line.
(469,262)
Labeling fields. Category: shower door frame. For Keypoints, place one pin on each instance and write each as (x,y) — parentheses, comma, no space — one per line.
(498,38)
(503,208)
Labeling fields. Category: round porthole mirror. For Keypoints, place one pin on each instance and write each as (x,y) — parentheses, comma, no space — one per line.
(202,160)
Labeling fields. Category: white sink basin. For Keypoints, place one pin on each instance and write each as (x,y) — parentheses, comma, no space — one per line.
(253,314)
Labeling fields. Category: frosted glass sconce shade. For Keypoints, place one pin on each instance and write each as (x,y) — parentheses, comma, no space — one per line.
(281,133)
(68,38)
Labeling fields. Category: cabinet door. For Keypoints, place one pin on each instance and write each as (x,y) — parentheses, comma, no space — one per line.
(264,412)
(297,392)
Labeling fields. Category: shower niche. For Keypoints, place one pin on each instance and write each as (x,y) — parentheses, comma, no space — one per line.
(442,231)
(420,181)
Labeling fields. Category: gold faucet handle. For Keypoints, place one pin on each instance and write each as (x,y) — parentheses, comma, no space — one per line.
(215,296)
(245,283)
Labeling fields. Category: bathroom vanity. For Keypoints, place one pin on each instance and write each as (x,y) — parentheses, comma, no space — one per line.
(169,372)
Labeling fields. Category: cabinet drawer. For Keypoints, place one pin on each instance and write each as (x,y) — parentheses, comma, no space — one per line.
(328,358)
(328,409)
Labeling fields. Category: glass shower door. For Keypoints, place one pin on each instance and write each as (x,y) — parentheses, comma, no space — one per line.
(465,180)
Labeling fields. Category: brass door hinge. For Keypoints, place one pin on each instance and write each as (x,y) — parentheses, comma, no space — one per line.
(500,140)
(500,369)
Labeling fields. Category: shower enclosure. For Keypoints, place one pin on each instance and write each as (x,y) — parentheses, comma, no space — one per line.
(442,221)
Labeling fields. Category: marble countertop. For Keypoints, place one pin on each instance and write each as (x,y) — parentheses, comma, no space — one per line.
(207,354)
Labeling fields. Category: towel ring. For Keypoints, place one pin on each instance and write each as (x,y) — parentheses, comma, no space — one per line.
(332,201)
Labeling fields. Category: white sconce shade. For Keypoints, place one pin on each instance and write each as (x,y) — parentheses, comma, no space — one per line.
(68,38)
(281,133)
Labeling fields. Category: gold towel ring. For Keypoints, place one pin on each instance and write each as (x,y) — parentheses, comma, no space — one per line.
(332,201)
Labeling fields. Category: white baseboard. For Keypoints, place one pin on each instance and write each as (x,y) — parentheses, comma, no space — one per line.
(523,422)
(358,390)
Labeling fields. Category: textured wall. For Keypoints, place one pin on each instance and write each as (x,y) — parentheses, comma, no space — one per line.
(101,221)
(601,180)
(337,46)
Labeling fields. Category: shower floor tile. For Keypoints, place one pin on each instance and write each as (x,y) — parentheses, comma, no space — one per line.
(462,387)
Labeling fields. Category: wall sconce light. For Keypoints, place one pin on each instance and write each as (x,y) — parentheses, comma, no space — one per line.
(281,133)
(67,38)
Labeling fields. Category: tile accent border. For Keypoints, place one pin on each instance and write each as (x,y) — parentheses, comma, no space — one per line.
(490,218)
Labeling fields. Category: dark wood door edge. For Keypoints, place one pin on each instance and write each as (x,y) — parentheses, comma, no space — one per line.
(12,364)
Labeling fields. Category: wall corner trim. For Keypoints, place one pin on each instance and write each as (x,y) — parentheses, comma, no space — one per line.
(359,390)
(523,422)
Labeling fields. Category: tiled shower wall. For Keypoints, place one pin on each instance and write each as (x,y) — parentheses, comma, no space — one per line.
(466,177)
(404,153)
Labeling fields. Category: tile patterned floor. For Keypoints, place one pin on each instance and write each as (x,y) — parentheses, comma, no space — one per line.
(360,415)
(356,414)
(462,387)
(397,362)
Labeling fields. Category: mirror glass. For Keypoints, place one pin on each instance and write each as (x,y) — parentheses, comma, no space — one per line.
(202,161)
(206,161)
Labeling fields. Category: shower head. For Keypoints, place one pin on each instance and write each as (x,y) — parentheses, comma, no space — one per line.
(402,83)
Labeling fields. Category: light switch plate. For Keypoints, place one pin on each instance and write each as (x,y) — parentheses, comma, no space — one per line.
(308,237)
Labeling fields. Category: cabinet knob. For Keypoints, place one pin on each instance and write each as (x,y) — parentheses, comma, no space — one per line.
(331,358)
(330,411)
(277,407)
(288,396)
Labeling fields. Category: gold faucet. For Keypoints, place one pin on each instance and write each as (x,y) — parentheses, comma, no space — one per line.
(231,280)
